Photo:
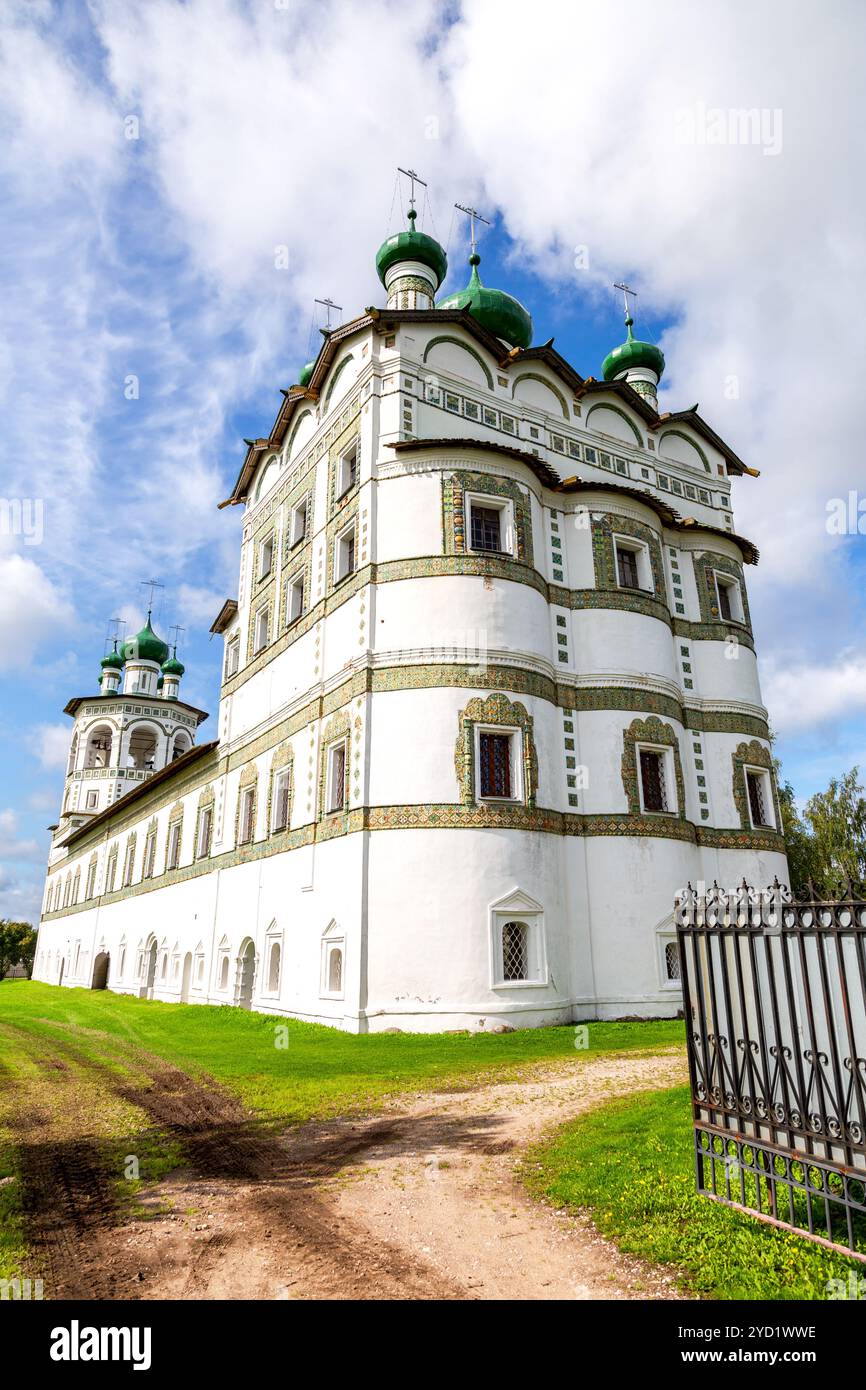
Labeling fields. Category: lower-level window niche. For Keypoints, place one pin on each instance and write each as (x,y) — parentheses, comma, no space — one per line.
(274,968)
(333,967)
(519,956)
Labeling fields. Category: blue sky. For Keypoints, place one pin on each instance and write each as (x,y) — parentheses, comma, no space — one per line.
(154,160)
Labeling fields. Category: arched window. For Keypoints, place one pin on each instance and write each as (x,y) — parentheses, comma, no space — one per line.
(73,750)
(181,745)
(164,967)
(98,752)
(122,963)
(335,971)
(224,973)
(274,968)
(142,749)
(515,951)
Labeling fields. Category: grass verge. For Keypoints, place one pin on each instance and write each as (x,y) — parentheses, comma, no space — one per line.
(295,1071)
(630,1165)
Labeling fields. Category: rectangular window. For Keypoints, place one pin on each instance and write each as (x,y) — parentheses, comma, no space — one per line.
(730,604)
(173,857)
(92,800)
(299,523)
(495,777)
(627,568)
(111,872)
(149,856)
(91,881)
(344,558)
(204,824)
(347,471)
(485,528)
(756,783)
(127,866)
(233,653)
(652,777)
(281,802)
(295,599)
(266,557)
(336,797)
(260,633)
(247,817)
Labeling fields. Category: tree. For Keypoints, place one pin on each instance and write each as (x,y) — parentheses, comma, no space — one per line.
(827,843)
(799,844)
(17,945)
(837,818)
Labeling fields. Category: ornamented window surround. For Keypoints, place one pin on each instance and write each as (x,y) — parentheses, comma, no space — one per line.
(337,527)
(282,761)
(149,850)
(351,438)
(707,564)
(129,860)
(456,486)
(650,733)
(249,778)
(495,712)
(337,730)
(175,817)
(206,800)
(753,755)
(606,526)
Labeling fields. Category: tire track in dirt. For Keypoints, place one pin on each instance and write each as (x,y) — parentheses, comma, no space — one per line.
(423,1203)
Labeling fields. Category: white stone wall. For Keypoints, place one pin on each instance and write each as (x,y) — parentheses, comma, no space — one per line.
(414,909)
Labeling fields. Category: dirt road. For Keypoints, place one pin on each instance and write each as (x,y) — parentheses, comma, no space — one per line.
(420,1202)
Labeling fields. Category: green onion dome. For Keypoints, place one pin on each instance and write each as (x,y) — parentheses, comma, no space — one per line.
(306,372)
(173,667)
(112,661)
(498,312)
(411,246)
(145,646)
(632,353)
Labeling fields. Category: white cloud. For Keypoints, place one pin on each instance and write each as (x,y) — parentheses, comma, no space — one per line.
(811,693)
(33,613)
(50,743)
(12,846)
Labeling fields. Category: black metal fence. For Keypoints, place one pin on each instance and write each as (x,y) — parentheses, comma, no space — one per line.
(774,993)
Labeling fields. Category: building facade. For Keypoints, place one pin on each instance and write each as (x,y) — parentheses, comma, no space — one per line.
(490,698)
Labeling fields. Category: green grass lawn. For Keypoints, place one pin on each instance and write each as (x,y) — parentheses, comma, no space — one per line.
(297,1071)
(630,1164)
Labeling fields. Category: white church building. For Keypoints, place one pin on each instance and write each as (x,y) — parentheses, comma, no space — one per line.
(490,698)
